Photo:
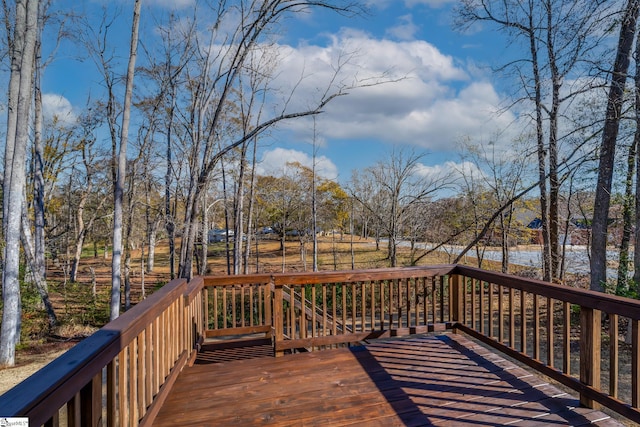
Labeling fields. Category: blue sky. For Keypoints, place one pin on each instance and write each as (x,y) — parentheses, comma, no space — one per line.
(448,94)
(447,91)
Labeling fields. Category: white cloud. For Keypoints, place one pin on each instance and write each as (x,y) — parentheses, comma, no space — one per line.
(173,4)
(430,3)
(58,107)
(434,103)
(406,29)
(274,162)
(382,4)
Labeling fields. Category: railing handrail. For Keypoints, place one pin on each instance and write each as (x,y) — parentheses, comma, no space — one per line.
(626,307)
(60,380)
(350,276)
(308,277)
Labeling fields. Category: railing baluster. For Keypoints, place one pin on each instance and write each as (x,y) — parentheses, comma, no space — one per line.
(500,315)
(425,301)
(442,305)
(382,305)
(536,327)
(223,312)
(234,311)
(292,312)
(490,309)
(133,390)
(314,310)
(550,341)
(372,303)
(344,309)
(243,290)
(512,319)
(324,309)
(474,282)
(363,306)
(523,322)
(481,302)
(123,387)
(278,317)
(613,355)
(205,297)
(465,317)
(303,315)
(91,402)
(398,284)
(635,363)
(74,415)
(391,311)
(111,393)
(140,374)
(566,345)
(353,308)
(408,283)
(334,303)
(155,358)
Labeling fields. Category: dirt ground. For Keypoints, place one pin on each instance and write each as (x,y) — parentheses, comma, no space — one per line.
(30,361)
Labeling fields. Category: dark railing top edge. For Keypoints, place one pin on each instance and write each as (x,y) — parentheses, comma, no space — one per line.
(85,359)
(607,303)
(327,276)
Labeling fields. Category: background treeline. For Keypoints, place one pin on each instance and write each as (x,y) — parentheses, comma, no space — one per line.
(167,147)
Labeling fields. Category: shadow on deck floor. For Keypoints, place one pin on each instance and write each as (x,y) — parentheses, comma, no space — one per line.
(444,380)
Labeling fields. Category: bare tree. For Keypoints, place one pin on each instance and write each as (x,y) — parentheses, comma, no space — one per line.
(118,196)
(501,174)
(598,260)
(217,83)
(559,38)
(401,186)
(23,51)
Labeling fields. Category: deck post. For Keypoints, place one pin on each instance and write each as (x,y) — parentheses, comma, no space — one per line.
(457,295)
(278,317)
(590,343)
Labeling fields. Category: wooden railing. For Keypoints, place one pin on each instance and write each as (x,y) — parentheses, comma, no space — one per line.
(562,332)
(339,308)
(121,375)
(237,305)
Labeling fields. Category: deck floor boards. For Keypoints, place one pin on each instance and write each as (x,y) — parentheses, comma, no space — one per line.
(443,380)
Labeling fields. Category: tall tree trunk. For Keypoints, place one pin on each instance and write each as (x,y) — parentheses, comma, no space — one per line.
(39,281)
(19,103)
(82,232)
(598,258)
(226,219)
(38,162)
(250,231)
(554,183)
(636,142)
(153,233)
(202,268)
(504,238)
(627,220)
(127,240)
(239,211)
(118,196)
(542,154)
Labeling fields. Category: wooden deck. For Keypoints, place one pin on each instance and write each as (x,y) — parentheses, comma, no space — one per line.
(444,380)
